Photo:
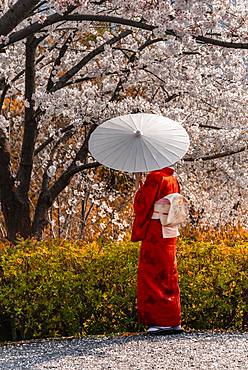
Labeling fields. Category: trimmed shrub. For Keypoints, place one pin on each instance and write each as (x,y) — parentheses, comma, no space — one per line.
(214,285)
(63,288)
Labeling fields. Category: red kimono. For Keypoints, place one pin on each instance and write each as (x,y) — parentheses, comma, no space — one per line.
(158,295)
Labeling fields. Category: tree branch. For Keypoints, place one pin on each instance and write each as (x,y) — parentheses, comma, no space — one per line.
(131,61)
(216,156)
(45,180)
(51,139)
(56,18)
(224,44)
(15,15)
(84,167)
(67,175)
(7,85)
(48,196)
(171,97)
(4,92)
(57,61)
(74,70)
(211,127)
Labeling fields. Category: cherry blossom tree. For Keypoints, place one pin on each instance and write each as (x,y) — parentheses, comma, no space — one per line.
(66,66)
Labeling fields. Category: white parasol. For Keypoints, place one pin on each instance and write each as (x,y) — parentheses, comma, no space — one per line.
(139,142)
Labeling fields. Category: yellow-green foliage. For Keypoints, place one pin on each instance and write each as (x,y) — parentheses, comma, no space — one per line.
(63,288)
(214,285)
(58,287)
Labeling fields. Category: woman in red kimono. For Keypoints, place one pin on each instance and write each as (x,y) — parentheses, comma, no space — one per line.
(158,295)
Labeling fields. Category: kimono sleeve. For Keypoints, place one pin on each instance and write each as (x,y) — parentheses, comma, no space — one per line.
(143,207)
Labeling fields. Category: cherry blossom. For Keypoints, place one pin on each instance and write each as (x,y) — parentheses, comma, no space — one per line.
(94,60)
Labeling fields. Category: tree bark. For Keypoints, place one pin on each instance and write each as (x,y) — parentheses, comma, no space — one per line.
(14,210)
(29,137)
(7,194)
(41,214)
(15,15)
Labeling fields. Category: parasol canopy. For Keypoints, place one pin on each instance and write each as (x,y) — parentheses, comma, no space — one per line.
(140,142)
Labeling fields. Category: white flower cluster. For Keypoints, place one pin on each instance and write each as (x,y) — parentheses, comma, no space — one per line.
(167,71)
(4,124)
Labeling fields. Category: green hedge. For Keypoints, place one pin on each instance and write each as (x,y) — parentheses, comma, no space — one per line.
(62,288)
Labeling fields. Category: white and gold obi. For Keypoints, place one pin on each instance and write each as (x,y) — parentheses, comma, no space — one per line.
(171,210)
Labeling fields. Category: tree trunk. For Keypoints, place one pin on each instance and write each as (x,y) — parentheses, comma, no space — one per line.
(15,211)
(7,195)
(41,214)
(29,138)
(15,202)
(15,225)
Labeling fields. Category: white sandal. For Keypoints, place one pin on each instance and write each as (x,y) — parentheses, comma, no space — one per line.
(162,330)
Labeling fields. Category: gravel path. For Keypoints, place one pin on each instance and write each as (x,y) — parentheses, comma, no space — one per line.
(137,352)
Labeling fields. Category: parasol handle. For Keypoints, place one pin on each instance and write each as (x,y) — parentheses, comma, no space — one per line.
(138,181)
